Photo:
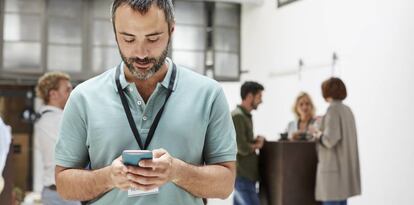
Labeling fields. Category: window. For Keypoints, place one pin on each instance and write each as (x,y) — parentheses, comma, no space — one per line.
(64,45)
(226,41)
(207,38)
(105,54)
(189,38)
(21,48)
(77,37)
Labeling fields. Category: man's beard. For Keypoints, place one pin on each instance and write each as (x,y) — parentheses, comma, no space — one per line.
(145,75)
(254,105)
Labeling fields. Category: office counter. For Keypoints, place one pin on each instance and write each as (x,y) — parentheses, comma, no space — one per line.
(288,171)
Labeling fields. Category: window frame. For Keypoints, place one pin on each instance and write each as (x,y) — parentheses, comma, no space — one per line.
(24,75)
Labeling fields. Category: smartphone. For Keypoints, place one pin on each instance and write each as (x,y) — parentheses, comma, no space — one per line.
(133,157)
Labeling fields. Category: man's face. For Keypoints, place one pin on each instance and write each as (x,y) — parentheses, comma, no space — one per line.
(257,100)
(142,40)
(61,95)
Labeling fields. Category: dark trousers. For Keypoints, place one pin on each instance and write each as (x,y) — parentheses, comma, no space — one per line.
(245,192)
(334,202)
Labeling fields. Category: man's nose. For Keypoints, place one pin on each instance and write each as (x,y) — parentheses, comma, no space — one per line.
(140,52)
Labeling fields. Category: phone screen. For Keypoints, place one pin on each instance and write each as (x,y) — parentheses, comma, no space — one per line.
(133,157)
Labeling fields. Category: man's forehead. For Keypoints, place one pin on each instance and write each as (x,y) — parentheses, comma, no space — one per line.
(128,20)
(126,15)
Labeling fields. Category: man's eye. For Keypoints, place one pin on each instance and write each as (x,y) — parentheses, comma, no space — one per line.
(129,40)
(152,40)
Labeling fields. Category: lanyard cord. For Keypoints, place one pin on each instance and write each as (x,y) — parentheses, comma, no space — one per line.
(129,114)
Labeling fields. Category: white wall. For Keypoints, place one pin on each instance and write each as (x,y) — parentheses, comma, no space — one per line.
(374,40)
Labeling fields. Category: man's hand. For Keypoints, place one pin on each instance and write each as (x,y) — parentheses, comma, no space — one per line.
(258,143)
(152,173)
(119,174)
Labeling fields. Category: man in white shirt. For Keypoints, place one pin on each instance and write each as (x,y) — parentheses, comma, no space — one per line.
(54,89)
(5,140)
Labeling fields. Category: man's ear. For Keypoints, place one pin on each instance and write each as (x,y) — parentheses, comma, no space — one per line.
(249,96)
(172,29)
(52,94)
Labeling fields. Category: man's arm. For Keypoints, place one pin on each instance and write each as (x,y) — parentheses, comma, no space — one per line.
(244,147)
(209,181)
(93,183)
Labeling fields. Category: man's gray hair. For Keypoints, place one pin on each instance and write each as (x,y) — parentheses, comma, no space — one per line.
(142,6)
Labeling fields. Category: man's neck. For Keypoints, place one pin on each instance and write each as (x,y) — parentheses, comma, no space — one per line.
(246,106)
(54,104)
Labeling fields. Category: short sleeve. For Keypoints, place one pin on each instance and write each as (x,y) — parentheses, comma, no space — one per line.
(220,145)
(71,150)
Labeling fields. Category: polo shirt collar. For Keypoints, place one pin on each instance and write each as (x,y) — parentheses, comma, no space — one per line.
(245,112)
(167,77)
(50,107)
(122,79)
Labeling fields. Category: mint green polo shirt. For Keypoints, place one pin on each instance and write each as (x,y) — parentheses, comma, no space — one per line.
(196,127)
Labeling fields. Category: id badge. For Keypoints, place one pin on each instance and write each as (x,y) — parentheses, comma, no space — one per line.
(135,192)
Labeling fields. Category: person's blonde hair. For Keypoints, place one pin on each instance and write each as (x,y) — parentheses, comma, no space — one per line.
(295,106)
(49,81)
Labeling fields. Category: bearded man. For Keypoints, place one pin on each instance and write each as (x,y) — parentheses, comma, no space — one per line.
(245,192)
(146,103)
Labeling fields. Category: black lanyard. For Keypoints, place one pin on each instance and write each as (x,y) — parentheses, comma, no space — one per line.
(129,114)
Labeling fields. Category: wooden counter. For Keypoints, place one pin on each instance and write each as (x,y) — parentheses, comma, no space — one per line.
(288,171)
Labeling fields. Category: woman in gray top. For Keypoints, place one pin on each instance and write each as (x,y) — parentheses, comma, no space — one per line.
(338,175)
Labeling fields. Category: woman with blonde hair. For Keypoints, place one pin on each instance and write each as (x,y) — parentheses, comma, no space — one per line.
(305,118)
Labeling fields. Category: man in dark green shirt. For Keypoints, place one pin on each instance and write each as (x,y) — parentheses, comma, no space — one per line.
(247,159)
